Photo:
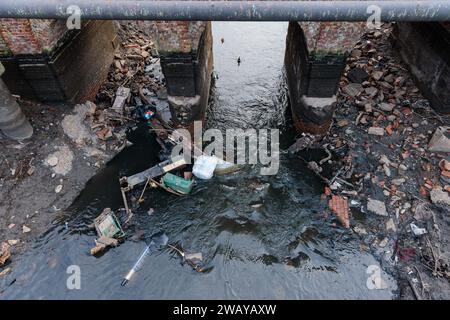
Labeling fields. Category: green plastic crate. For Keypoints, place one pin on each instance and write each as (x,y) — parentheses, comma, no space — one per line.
(177,184)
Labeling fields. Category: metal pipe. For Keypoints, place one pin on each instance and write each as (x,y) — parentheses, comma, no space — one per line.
(413,10)
(13,122)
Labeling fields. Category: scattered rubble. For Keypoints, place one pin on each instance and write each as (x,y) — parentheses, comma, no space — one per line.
(61,160)
(5,272)
(438,196)
(417,231)
(380,137)
(376,131)
(386,146)
(5,254)
(377,207)
(440,142)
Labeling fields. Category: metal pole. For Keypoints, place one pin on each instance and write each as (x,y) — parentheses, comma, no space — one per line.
(403,10)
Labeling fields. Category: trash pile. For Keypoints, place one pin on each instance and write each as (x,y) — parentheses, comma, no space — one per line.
(390,156)
(136,66)
(135,88)
(174,175)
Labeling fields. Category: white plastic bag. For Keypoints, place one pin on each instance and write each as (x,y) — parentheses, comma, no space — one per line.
(204,167)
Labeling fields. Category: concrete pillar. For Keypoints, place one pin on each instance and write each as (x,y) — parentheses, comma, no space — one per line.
(185,50)
(47,62)
(425,47)
(315,58)
(13,122)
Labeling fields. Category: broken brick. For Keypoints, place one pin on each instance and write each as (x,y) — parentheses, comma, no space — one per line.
(339,206)
(4,253)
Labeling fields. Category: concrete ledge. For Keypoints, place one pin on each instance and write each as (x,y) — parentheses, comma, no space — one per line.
(182,108)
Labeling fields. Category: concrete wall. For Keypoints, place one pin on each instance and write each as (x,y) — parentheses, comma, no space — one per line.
(315,58)
(4,50)
(47,62)
(425,47)
(185,49)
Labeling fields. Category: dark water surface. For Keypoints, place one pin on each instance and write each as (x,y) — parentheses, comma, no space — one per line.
(261,236)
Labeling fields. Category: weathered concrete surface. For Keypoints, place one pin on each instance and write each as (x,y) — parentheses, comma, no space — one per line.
(83,65)
(71,68)
(331,37)
(312,82)
(315,58)
(425,48)
(29,178)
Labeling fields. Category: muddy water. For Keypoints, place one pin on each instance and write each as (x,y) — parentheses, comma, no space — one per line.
(261,236)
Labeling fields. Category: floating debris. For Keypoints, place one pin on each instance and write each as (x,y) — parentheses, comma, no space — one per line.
(109,231)
(195,260)
(177,184)
(158,242)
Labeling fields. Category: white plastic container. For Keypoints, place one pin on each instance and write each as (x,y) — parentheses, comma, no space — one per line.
(204,167)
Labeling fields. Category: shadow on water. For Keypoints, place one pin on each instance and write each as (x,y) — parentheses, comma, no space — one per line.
(261,236)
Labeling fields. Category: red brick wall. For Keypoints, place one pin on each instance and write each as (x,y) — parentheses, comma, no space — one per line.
(23,36)
(49,32)
(38,36)
(178,36)
(3,47)
(19,36)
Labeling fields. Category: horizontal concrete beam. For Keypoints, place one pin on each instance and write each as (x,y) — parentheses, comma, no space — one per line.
(414,10)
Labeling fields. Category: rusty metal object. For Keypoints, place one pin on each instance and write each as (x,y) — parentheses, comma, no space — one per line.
(303,125)
(420,10)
